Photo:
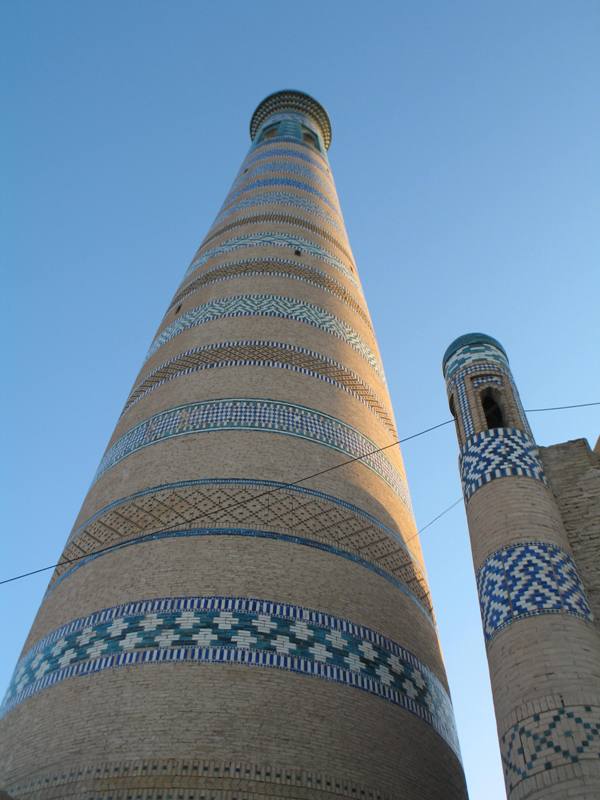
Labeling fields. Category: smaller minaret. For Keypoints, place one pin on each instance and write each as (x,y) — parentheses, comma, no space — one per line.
(543,652)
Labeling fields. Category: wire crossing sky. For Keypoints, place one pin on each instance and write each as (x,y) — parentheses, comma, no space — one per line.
(465,155)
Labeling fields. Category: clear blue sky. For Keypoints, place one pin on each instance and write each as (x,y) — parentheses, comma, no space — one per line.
(465,150)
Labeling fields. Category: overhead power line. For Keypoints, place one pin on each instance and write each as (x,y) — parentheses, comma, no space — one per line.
(291,484)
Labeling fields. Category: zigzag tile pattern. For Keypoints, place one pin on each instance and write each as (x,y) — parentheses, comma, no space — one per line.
(467,355)
(272,239)
(239,630)
(274,153)
(549,740)
(282,199)
(278,182)
(277,268)
(267,305)
(283,219)
(528,579)
(287,168)
(278,355)
(257,415)
(297,513)
(498,453)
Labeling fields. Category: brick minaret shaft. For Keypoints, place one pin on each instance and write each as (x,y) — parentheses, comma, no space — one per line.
(248,638)
(543,650)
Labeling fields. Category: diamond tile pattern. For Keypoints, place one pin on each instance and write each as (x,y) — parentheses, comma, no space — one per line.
(527,579)
(236,630)
(498,453)
(549,740)
(263,508)
(267,305)
(279,355)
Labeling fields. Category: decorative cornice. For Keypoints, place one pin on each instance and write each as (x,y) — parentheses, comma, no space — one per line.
(291,100)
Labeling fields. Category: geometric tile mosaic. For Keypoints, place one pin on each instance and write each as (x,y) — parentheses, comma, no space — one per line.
(288,168)
(281,199)
(262,354)
(236,630)
(271,217)
(292,183)
(267,305)
(271,239)
(283,153)
(246,533)
(498,453)
(268,416)
(273,267)
(301,515)
(548,740)
(470,353)
(525,580)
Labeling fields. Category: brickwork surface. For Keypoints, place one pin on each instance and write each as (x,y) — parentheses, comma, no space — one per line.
(242,638)
(574,474)
(534,524)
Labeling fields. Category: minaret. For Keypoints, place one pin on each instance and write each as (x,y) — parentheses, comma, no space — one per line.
(251,632)
(543,650)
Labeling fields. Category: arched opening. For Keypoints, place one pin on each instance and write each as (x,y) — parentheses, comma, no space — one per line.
(310,138)
(492,409)
(269,133)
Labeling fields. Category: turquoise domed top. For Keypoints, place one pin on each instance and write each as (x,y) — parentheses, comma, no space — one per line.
(471,338)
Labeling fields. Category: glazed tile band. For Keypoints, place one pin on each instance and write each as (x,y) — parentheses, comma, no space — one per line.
(236,630)
(472,353)
(291,183)
(276,268)
(273,239)
(267,305)
(296,511)
(498,453)
(271,217)
(526,580)
(286,152)
(265,354)
(530,748)
(283,166)
(255,414)
(275,198)
(251,533)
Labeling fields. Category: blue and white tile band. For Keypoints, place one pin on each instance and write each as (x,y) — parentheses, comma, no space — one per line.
(268,305)
(287,168)
(281,199)
(335,510)
(252,414)
(290,183)
(236,630)
(263,354)
(528,579)
(251,533)
(285,152)
(498,453)
(272,239)
(471,353)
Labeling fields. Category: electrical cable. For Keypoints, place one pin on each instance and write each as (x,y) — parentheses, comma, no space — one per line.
(118,545)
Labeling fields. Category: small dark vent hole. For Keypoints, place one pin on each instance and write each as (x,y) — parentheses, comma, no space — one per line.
(297,252)
(178,309)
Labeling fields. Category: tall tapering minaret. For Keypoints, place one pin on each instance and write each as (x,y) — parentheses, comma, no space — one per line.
(251,633)
(543,649)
